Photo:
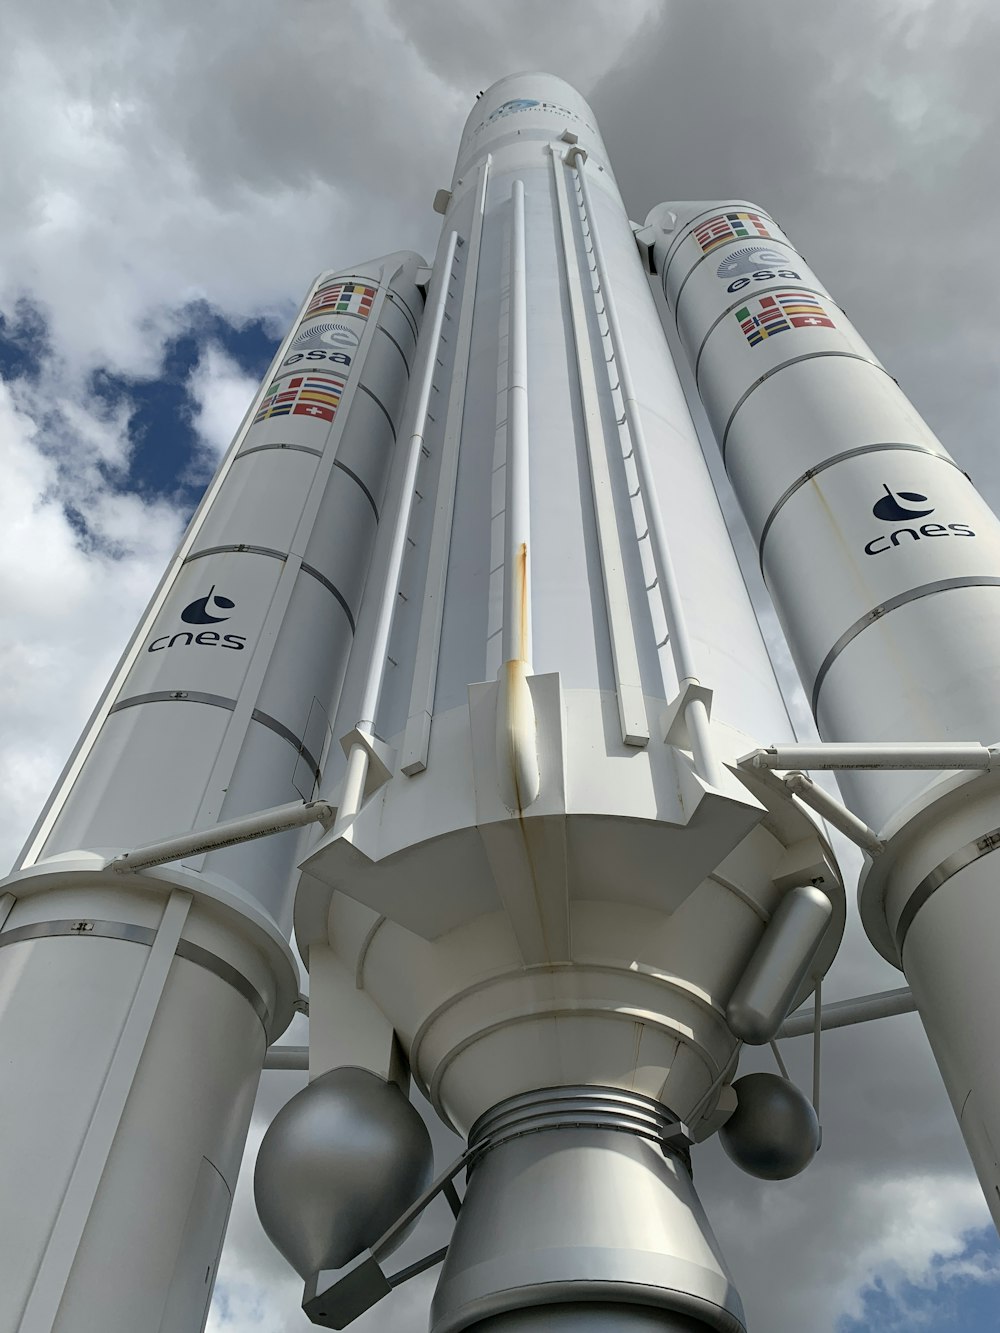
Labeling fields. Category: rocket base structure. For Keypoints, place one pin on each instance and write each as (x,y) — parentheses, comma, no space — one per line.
(455,670)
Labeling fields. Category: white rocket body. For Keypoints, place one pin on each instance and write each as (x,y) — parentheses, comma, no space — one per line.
(136,1009)
(543,888)
(884,565)
(464,577)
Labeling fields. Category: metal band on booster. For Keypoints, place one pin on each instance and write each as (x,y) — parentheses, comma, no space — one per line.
(939,876)
(243,548)
(219,701)
(146,935)
(300,449)
(814,471)
(892,604)
(795,360)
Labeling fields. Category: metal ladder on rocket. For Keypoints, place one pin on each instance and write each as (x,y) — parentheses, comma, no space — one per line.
(462,595)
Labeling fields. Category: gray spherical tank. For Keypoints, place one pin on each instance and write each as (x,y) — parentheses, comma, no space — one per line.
(339,1163)
(773,1134)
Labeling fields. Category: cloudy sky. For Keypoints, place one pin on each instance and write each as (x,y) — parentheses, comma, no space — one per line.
(175,174)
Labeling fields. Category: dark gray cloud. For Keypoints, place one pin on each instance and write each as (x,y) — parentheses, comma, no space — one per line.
(868,128)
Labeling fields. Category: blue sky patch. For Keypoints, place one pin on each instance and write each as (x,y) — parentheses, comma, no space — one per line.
(164,462)
(960,1295)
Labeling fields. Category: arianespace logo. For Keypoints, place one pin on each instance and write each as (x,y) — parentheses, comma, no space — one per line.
(202,611)
(906,507)
(517,104)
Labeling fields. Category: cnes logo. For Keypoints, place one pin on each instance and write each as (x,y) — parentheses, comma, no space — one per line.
(197,613)
(906,507)
(202,612)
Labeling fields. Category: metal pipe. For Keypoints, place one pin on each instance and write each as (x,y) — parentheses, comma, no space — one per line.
(899,755)
(286,1057)
(244,829)
(845,1013)
(834,813)
(357,759)
(696,714)
(778,1060)
(817,1045)
(517,607)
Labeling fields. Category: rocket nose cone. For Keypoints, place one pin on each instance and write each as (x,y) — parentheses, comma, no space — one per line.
(531,104)
(526,83)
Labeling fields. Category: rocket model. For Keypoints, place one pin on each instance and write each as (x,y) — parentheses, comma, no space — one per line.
(455,668)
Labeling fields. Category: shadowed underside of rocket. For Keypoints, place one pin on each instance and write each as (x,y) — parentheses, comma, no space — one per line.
(456,665)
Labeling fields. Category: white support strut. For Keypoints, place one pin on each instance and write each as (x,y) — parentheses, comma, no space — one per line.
(901,756)
(846,1013)
(830,809)
(278,819)
(517,529)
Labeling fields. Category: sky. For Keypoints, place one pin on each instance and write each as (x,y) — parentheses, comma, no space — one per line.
(175,175)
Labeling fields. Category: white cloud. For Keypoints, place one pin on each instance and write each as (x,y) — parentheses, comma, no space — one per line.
(68,601)
(221,392)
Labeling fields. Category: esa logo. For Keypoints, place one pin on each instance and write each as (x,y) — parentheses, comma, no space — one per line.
(336,343)
(754,263)
(200,612)
(889,509)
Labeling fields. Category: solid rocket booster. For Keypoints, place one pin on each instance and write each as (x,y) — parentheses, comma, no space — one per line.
(137,1007)
(884,564)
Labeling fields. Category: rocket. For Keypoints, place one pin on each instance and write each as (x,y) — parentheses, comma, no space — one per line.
(456,675)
